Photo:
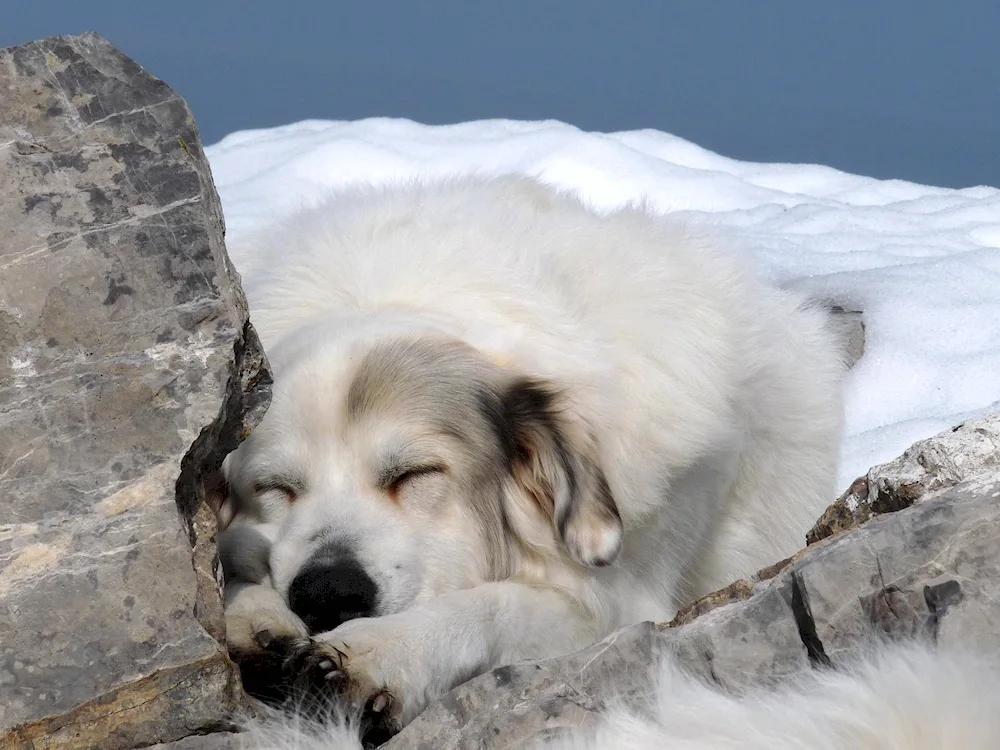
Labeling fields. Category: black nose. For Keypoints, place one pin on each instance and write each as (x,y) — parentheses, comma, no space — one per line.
(327,592)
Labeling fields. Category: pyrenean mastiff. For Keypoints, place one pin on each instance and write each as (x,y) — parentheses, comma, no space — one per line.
(504,424)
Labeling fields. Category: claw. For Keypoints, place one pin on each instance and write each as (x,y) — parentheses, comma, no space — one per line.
(341,656)
(380,703)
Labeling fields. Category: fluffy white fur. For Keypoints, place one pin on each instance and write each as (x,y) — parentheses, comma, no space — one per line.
(904,697)
(677,427)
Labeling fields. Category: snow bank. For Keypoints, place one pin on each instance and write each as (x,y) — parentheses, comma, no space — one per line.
(922,262)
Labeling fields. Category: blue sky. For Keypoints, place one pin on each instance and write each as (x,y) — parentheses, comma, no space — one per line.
(894,88)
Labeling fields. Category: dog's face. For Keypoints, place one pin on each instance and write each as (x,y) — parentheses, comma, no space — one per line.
(391,468)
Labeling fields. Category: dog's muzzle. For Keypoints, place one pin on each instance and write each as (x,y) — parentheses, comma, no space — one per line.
(331,588)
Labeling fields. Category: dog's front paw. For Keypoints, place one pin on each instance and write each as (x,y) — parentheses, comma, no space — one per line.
(368,666)
(324,673)
(260,632)
(323,680)
(258,620)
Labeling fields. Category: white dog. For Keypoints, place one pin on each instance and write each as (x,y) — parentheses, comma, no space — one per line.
(504,425)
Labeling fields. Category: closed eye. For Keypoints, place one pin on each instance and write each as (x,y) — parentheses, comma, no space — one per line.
(393,479)
(291,490)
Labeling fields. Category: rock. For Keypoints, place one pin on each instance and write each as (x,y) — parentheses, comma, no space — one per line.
(214,741)
(851,325)
(736,591)
(970,450)
(932,569)
(929,466)
(123,339)
(512,704)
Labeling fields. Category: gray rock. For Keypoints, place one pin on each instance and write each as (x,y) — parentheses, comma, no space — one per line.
(512,704)
(123,339)
(214,741)
(850,324)
(969,450)
(931,570)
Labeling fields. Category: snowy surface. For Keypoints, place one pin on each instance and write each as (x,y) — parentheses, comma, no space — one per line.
(922,262)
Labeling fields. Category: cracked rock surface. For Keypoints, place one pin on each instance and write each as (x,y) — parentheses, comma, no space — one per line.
(123,339)
(928,466)
(214,741)
(931,569)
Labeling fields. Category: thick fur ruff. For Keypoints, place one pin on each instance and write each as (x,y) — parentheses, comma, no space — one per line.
(909,697)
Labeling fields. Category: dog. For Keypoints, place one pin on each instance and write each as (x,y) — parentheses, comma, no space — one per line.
(505,424)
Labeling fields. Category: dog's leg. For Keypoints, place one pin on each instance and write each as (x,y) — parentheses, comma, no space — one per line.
(396,664)
(259,625)
(256,615)
(260,628)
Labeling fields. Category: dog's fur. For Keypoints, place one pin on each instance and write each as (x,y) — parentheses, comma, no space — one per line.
(504,425)
(906,696)
(897,697)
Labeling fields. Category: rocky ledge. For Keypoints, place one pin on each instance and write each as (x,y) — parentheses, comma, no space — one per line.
(127,369)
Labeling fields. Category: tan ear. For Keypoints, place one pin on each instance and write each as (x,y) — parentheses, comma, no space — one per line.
(554,461)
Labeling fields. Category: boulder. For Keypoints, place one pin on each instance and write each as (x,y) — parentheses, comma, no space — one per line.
(214,741)
(968,452)
(850,326)
(127,370)
(930,569)
(971,449)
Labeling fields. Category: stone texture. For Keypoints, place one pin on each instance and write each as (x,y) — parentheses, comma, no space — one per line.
(123,336)
(968,450)
(736,591)
(214,741)
(512,704)
(851,325)
(932,569)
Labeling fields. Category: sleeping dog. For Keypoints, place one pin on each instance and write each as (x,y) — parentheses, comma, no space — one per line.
(503,425)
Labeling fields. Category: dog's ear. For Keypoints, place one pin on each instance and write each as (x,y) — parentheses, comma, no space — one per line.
(554,463)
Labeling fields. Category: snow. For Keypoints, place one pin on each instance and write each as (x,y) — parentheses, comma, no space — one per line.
(922,262)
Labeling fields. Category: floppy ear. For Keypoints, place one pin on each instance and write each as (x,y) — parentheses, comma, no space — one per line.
(554,463)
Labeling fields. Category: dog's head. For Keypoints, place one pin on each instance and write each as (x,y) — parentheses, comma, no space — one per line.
(391,468)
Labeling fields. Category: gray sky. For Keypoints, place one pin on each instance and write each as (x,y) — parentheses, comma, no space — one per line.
(888,88)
